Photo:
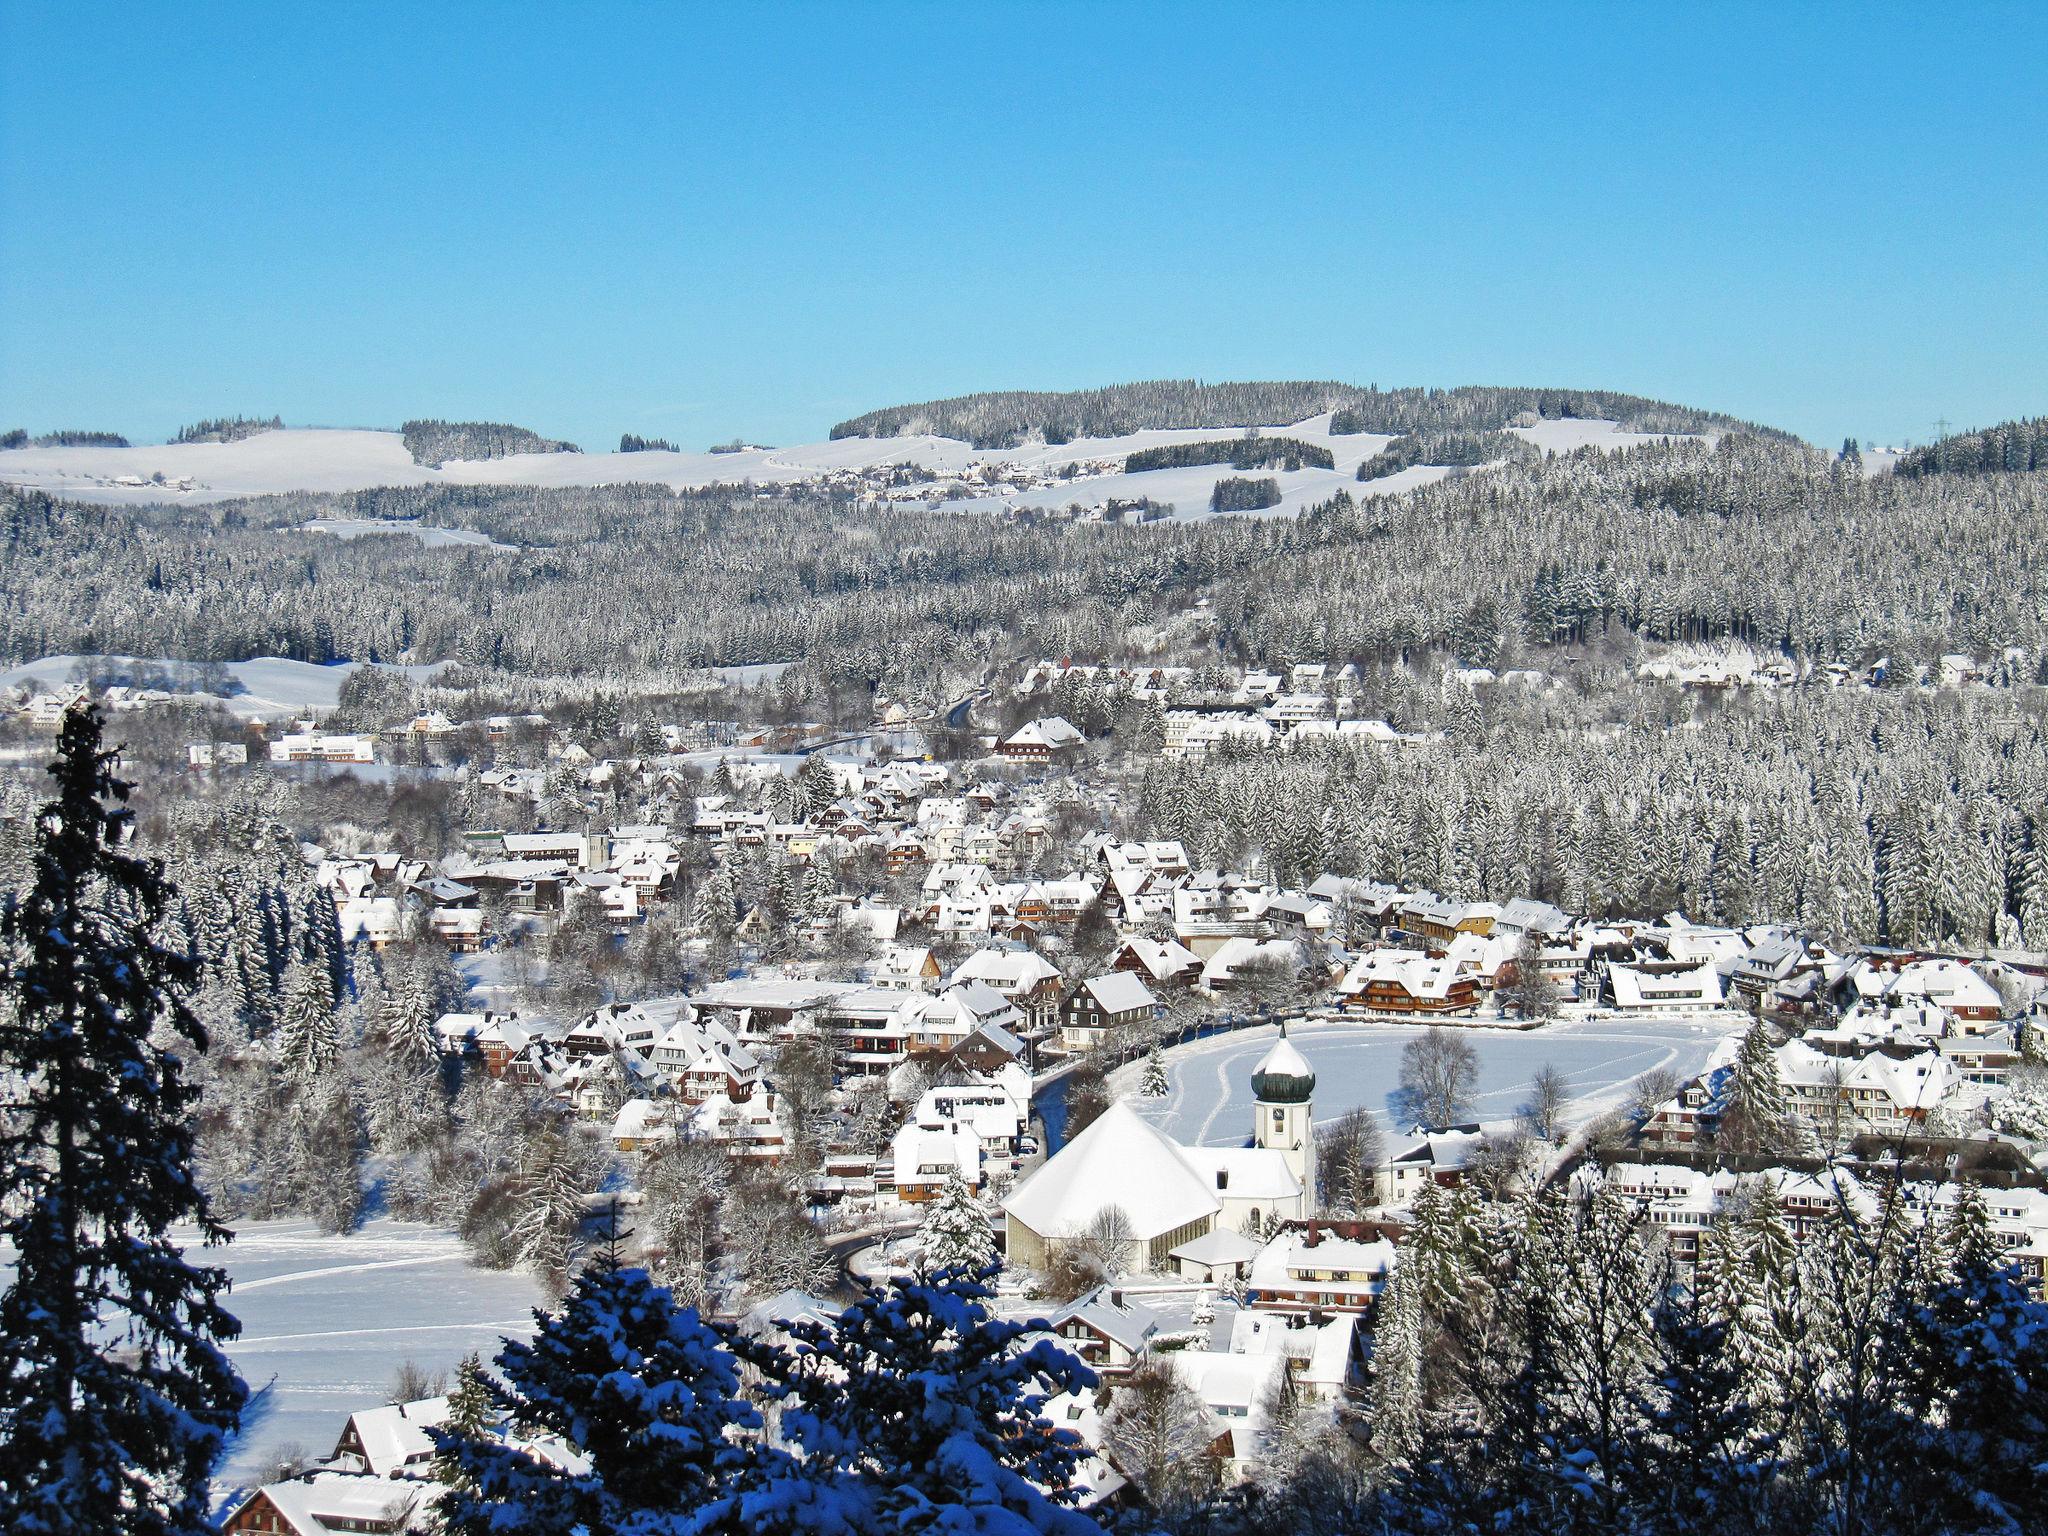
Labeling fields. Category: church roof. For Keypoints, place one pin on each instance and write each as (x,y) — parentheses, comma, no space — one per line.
(1118,1160)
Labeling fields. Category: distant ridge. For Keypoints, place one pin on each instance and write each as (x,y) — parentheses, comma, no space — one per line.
(2012,447)
(1006,418)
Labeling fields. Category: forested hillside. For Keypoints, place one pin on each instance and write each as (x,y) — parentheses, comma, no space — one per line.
(2011,446)
(1006,418)
(1755,540)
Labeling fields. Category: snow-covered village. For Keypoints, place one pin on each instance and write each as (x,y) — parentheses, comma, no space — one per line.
(1370,861)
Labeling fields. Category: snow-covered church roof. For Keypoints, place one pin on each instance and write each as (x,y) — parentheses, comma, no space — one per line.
(1118,1160)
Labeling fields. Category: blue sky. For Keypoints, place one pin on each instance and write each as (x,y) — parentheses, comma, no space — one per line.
(733,220)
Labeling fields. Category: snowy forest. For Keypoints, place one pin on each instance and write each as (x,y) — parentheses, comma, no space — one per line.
(1004,419)
(1775,545)
(434,443)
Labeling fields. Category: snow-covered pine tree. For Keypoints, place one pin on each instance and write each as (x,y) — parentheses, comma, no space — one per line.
(115,1398)
(916,1410)
(644,1391)
(408,1020)
(1393,1402)
(307,1037)
(553,1179)
(1153,1083)
(1757,1116)
(1980,1403)
(954,1234)
(470,1418)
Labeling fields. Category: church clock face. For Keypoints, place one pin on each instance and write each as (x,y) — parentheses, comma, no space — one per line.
(1279,1118)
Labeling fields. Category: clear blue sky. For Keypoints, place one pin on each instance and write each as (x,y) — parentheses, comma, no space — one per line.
(702,222)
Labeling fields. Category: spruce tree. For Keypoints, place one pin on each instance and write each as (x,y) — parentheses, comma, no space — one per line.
(915,1410)
(1154,1084)
(115,1398)
(955,1233)
(1757,1116)
(1393,1416)
(642,1390)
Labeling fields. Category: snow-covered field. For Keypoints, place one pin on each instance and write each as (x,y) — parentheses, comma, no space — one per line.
(326,1321)
(331,460)
(1210,1099)
(429,535)
(266,686)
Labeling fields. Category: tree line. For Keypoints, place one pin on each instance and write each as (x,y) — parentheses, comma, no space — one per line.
(227,429)
(1007,418)
(2011,447)
(1448,448)
(1253,451)
(434,443)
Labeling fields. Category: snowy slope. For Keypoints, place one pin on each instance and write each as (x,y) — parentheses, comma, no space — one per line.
(323,460)
(270,686)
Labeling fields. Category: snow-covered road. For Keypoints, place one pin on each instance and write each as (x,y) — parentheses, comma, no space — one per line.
(1209,1101)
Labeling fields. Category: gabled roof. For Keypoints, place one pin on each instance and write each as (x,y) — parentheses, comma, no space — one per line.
(1119,992)
(1117,1160)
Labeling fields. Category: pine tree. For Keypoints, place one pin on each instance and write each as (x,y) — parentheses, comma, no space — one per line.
(954,1233)
(643,1391)
(1393,1403)
(470,1419)
(553,1179)
(114,1397)
(916,1410)
(1153,1084)
(1757,1116)
(307,1036)
(408,1021)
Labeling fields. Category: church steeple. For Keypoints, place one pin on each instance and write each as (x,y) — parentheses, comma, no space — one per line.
(1283,1084)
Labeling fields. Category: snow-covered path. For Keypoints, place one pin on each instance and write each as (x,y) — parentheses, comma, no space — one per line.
(331,1319)
(1209,1100)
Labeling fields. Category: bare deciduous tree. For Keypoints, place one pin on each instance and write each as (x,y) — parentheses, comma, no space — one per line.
(1550,1094)
(1439,1070)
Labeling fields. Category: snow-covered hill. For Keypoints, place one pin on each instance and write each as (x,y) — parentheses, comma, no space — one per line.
(335,460)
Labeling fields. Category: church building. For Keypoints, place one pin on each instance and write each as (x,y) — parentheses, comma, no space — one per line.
(1171,1195)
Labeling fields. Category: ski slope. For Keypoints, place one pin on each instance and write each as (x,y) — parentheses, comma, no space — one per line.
(319,459)
(326,1321)
(1209,1100)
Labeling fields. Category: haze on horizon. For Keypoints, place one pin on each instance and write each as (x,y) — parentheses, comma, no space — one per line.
(702,224)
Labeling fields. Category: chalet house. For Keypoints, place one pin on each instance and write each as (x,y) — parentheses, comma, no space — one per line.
(1672,987)
(1159,961)
(927,1152)
(324,1503)
(1109,1331)
(1323,1266)
(390,1441)
(941,1023)
(642,1123)
(1439,921)
(907,967)
(1103,1003)
(1027,979)
(1405,983)
(1688,1116)
(1041,740)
